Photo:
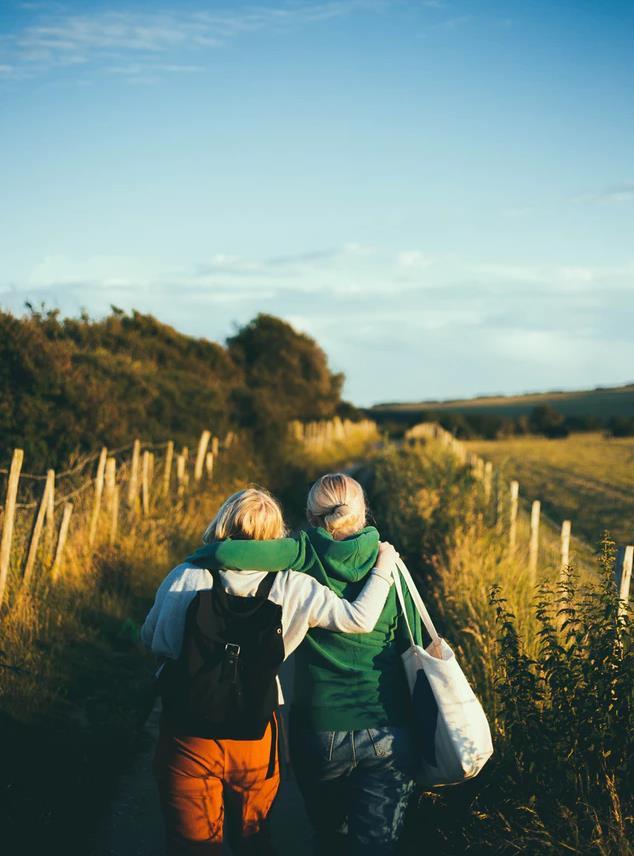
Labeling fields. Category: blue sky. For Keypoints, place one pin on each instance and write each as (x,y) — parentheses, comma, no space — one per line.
(442,193)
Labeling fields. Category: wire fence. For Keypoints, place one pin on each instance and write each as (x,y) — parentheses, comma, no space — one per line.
(531,536)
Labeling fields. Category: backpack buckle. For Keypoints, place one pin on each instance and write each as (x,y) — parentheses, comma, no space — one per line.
(230,670)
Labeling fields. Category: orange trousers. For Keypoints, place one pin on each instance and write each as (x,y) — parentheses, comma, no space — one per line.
(198,778)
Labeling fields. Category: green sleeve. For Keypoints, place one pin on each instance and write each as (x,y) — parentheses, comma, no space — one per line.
(245,555)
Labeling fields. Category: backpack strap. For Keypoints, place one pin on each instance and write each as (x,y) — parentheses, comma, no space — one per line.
(264,589)
(273,753)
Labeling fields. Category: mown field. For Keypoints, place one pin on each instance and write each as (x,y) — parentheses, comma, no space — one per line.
(613,401)
(586,478)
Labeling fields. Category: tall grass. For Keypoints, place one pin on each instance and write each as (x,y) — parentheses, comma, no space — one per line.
(74,681)
(552,664)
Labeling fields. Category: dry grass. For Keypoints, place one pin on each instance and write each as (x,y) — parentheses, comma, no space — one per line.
(558,701)
(586,478)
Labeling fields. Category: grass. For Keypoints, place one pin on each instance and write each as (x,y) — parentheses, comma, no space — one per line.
(586,478)
(552,664)
(74,682)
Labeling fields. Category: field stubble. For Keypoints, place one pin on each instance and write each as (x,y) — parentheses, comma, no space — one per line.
(586,478)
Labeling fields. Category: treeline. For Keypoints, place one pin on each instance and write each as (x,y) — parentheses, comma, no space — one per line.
(68,385)
(543,419)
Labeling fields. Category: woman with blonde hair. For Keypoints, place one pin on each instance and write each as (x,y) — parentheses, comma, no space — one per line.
(351,736)
(222,635)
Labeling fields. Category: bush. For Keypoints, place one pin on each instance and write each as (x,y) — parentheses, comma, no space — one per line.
(547,421)
(621,426)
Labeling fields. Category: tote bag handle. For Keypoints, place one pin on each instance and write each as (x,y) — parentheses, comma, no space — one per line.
(417,599)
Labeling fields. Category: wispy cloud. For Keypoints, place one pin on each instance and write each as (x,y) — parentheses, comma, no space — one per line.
(109,38)
(380,315)
(615,194)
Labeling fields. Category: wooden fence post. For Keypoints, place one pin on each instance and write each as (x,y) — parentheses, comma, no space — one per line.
(37,528)
(9,517)
(111,480)
(133,486)
(114,515)
(209,464)
(566,526)
(200,456)
(61,541)
(533,549)
(499,503)
(181,475)
(167,471)
(515,489)
(96,508)
(488,482)
(145,483)
(50,518)
(626,578)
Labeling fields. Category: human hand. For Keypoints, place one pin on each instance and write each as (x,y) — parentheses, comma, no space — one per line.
(386,560)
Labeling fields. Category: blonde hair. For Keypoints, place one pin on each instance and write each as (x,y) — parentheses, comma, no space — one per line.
(336,502)
(251,513)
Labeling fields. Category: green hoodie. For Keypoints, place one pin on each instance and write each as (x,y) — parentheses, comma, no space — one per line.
(343,681)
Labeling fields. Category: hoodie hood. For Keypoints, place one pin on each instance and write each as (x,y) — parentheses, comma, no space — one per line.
(347,560)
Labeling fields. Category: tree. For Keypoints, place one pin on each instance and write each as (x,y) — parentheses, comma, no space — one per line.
(286,374)
(547,421)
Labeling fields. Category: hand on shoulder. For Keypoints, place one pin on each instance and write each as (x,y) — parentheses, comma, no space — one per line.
(388,554)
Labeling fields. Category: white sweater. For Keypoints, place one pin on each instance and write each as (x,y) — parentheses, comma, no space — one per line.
(305,603)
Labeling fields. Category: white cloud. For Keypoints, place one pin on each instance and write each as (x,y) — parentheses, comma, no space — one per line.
(508,327)
(110,39)
(616,194)
(413,261)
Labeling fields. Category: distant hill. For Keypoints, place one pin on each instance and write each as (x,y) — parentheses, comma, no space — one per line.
(602,402)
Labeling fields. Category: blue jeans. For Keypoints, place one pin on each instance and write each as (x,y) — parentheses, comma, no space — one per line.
(356,785)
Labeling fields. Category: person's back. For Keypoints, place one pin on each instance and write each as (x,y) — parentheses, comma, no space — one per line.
(351,681)
(351,739)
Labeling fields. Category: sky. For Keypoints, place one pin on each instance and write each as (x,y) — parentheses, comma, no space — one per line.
(441,192)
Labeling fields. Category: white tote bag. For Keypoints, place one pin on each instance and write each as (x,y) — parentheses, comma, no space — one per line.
(454,733)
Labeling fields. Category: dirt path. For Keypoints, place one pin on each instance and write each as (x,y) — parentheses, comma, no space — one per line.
(134,827)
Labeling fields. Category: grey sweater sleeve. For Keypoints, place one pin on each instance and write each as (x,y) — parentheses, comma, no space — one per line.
(163,629)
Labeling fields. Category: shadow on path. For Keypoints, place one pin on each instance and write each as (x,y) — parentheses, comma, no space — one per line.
(134,826)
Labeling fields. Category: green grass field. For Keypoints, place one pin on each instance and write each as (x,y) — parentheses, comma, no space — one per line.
(603,403)
(586,478)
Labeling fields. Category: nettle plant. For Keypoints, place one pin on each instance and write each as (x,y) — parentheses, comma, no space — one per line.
(565,717)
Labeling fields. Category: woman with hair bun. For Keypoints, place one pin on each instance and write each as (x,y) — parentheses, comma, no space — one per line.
(351,736)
